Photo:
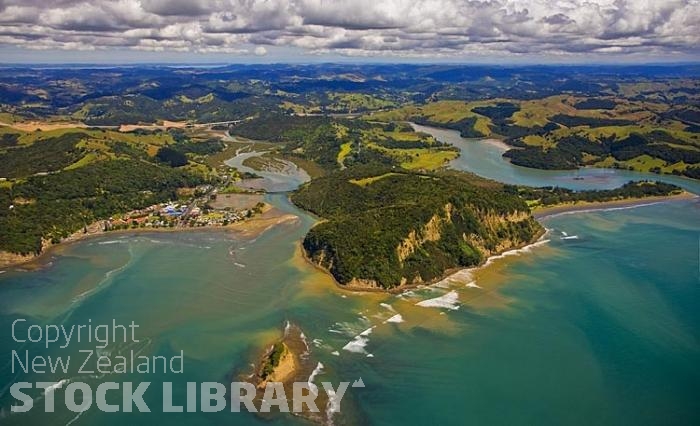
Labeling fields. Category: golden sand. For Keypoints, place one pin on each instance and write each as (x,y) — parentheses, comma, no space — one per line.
(541,212)
(249,228)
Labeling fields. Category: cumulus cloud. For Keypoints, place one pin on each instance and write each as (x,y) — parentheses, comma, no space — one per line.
(360,27)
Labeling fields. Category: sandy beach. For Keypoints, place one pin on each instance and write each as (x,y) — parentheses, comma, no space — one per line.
(498,144)
(249,228)
(541,213)
(285,370)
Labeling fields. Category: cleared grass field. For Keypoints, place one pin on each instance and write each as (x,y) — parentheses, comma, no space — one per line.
(369,180)
(625,131)
(345,149)
(9,130)
(643,163)
(356,102)
(407,136)
(537,140)
(157,139)
(419,158)
(87,159)
(413,156)
(399,114)
(377,133)
(300,109)
(537,112)
(8,118)
(440,112)
(428,159)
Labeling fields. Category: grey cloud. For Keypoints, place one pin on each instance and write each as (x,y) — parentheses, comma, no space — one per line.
(359,27)
(179,7)
(558,19)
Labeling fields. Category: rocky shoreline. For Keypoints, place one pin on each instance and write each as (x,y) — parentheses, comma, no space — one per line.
(360,286)
(286,361)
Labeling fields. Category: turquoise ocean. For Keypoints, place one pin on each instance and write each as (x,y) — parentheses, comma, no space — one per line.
(599,324)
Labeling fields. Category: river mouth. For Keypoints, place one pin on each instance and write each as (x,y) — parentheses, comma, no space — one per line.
(565,329)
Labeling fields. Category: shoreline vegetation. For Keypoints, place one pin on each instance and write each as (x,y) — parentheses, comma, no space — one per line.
(287,360)
(278,365)
(418,222)
(357,288)
(565,132)
(539,214)
(460,220)
(250,228)
(417,244)
(562,199)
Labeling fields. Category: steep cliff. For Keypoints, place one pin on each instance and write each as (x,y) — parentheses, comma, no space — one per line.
(409,228)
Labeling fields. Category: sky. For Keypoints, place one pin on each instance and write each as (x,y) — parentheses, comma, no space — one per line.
(259,31)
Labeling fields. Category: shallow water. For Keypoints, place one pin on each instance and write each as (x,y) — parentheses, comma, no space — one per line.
(270,180)
(486,159)
(597,329)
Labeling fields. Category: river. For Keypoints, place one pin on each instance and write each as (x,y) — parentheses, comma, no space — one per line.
(484,158)
(600,325)
(285,179)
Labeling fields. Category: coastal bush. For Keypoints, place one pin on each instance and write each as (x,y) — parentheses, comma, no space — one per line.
(554,195)
(8,140)
(272,360)
(365,225)
(44,155)
(499,112)
(56,205)
(568,151)
(171,156)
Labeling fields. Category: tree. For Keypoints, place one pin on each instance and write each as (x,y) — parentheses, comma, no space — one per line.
(172,157)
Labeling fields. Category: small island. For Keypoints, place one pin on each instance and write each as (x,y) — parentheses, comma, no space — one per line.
(286,361)
(278,365)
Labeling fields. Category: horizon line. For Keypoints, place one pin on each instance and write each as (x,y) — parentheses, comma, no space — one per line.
(367,63)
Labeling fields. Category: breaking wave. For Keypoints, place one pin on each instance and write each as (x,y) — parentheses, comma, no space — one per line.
(359,342)
(448,300)
(395,319)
